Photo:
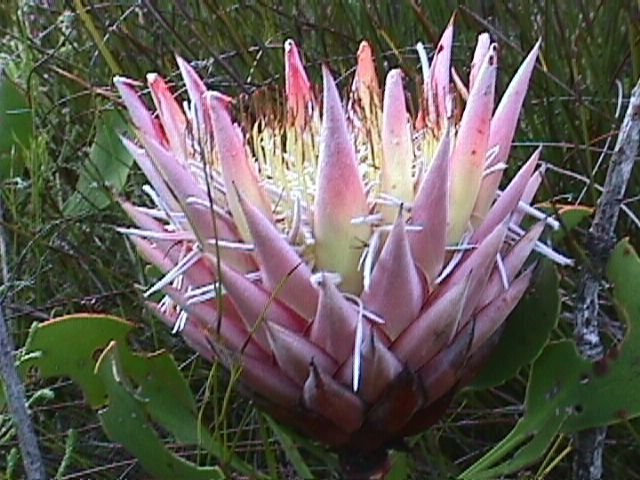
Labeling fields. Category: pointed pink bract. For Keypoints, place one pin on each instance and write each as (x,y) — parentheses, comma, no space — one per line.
(503,127)
(298,88)
(340,196)
(397,290)
(237,172)
(430,213)
(397,145)
(468,160)
(441,73)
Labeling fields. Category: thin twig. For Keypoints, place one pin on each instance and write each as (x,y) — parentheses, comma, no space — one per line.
(15,393)
(17,403)
(601,239)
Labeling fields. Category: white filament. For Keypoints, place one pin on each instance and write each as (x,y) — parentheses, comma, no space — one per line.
(372,219)
(202,294)
(320,278)
(369,257)
(357,351)
(181,322)
(181,267)
(228,245)
(502,271)
(178,236)
(491,155)
(494,168)
(516,232)
(457,256)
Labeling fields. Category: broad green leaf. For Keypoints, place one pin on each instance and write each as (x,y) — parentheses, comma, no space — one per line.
(155,375)
(69,346)
(607,391)
(105,171)
(533,434)
(567,393)
(124,420)
(527,330)
(168,401)
(16,128)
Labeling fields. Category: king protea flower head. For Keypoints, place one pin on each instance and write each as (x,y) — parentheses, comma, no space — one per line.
(356,265)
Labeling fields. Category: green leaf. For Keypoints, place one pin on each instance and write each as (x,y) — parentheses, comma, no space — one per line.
(401,466)
(527,330)
(105,171)
(607,391)
(571,216)
(124,420)
(155,375)
(290,450)
(16,128)
(168,401)
(69,346)
(534,433)
(567,393)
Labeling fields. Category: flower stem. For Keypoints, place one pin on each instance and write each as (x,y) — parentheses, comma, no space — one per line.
(365,466)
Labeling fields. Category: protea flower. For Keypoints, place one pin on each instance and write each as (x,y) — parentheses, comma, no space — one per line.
(355,264)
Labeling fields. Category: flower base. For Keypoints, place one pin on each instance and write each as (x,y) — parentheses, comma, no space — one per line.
(365,466)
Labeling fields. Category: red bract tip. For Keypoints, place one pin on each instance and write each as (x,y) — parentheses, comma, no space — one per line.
(298,88)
